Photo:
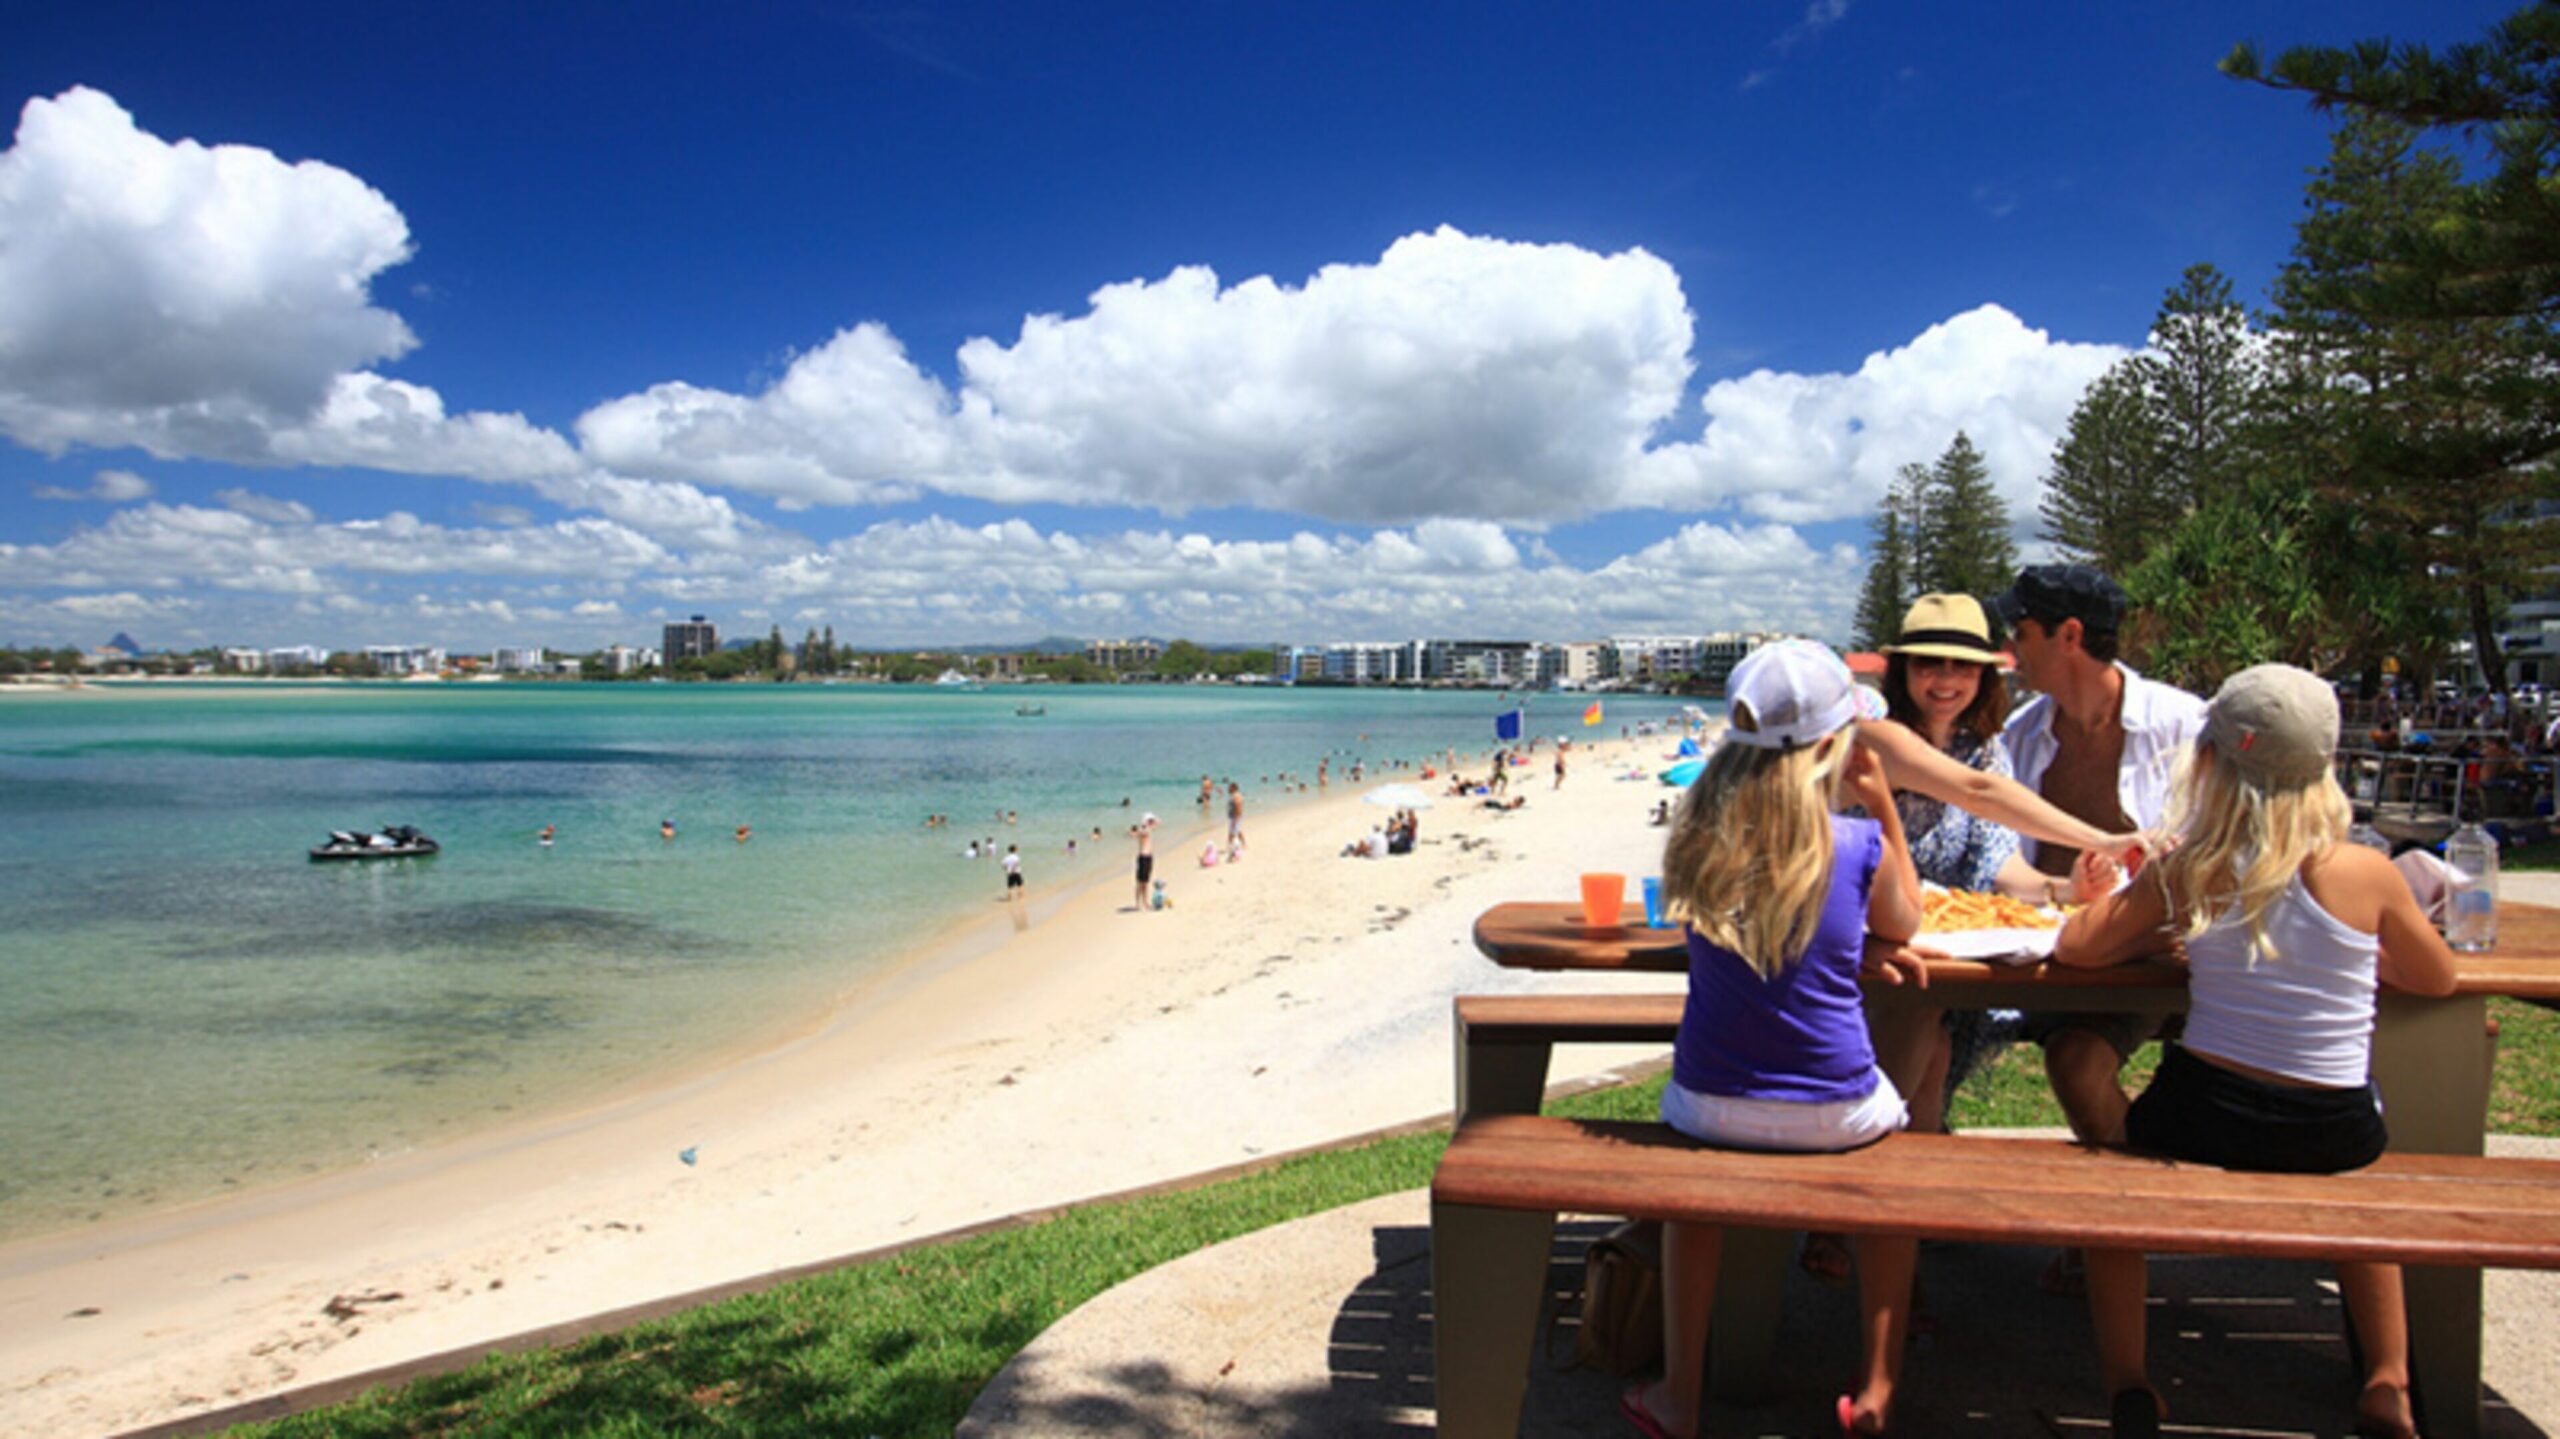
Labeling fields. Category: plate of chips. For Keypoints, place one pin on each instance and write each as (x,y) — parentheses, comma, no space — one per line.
(1972,925)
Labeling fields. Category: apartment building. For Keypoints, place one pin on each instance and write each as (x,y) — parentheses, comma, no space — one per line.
(696,638)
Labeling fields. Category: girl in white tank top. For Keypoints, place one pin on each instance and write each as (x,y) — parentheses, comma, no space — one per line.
(2286,932)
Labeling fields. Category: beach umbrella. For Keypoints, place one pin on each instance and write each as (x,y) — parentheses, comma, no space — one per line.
(1399,796)
(1684,774)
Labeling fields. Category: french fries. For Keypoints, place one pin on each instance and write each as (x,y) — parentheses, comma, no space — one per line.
(1946,911)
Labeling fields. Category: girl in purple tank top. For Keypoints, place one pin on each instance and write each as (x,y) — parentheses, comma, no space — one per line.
(1779,894)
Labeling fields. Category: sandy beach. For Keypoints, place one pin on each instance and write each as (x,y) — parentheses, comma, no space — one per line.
(1070,1047)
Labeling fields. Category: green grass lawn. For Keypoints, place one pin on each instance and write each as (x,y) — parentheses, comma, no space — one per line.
(2543,855)
(900,1346)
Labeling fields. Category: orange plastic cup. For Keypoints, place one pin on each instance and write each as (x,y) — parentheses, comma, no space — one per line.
(1604,898)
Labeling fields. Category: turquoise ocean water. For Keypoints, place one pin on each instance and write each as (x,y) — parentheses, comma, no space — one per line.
(188,1006)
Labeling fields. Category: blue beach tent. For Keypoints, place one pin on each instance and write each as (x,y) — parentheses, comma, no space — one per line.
(1684,774)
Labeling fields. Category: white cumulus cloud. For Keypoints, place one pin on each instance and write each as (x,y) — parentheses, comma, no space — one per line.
(180,298)
(113,486)
(1458,376)
(1801,448)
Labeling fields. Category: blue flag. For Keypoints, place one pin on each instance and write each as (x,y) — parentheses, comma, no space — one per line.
(1507,727)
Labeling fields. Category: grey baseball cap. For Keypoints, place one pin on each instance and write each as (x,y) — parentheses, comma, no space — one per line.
(2276,724)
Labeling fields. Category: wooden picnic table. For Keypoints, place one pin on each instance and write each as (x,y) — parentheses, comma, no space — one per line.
(2431,1059)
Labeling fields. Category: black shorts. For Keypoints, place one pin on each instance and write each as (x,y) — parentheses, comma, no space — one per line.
(2204,1112)
(1013,880)
(1146,868)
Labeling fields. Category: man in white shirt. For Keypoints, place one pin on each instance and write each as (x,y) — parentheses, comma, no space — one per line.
(2101,743)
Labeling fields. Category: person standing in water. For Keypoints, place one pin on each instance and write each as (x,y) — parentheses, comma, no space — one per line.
(1144,831)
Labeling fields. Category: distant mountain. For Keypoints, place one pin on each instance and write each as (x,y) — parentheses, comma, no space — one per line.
(1051,645)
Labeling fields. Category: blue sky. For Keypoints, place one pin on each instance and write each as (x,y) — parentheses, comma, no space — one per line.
(477,325)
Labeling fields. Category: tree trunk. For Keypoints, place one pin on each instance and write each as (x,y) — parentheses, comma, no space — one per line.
(2484,638)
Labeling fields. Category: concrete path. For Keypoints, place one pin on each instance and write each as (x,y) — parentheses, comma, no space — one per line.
(1322,1327)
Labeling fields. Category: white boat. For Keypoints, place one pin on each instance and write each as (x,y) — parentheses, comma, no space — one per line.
(956,680)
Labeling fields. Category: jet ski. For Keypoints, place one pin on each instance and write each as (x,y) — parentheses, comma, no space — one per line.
(397,841)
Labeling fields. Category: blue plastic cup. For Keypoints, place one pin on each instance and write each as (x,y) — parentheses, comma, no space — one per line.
(1653,901)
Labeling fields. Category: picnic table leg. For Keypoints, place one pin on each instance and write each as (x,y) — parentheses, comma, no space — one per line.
(1751,1288)
(1509,1077)
(2430,1058)
(1488,1274)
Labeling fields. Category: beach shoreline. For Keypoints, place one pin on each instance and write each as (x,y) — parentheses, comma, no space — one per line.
(1282,1002)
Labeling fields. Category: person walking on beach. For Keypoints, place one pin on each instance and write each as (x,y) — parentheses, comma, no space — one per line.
(1559,784)
(1235,819)
(1145,833)
(1012,873)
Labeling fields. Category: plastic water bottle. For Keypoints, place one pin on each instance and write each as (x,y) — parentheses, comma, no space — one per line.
(2362,832)
(2471,910)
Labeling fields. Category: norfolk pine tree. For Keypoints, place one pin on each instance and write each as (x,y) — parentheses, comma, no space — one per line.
(1963,545)
(2437,296)
(2159,433)
(1887,590)
(2496,251)
(2435,421)
(2101,505)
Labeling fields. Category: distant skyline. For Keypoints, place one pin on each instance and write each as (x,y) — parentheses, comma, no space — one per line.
(488,326)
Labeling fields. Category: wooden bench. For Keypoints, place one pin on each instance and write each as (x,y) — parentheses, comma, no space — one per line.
(1505,1178)
(1506,1041)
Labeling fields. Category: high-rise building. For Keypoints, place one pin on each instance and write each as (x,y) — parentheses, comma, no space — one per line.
(697,638)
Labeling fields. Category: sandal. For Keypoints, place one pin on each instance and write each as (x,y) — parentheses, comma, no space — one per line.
(1825,1257)
(1846,1411)
(1631,1408)
(2135,1414)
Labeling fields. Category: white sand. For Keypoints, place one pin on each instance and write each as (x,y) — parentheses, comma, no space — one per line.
(1291,999)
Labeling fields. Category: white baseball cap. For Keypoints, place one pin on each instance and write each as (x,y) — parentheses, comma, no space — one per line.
(1149,818)
(1794,693)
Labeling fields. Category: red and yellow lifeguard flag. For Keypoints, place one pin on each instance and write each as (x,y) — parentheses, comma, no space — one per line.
(1591,716)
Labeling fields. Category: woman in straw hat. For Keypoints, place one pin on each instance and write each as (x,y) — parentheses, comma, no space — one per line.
(1942,683)
(1942,679)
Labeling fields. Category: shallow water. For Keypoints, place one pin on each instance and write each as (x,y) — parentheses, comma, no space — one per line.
(188,1005)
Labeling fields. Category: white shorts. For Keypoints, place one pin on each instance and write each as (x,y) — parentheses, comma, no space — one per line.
(1785,1124)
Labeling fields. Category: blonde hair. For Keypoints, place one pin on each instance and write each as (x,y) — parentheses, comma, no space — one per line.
(2240,842)
(1748,864)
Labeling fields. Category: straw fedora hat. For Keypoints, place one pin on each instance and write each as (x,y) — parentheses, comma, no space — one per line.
(1948,626)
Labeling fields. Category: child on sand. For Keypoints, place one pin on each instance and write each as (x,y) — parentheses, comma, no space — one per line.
(2287,929)
(1779,893)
